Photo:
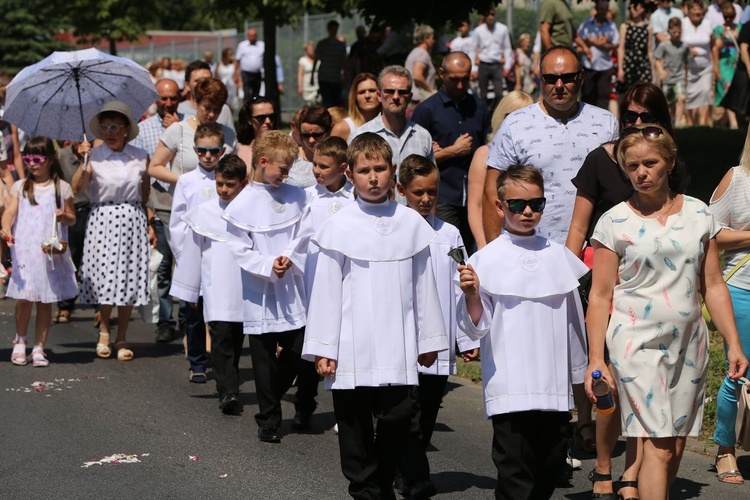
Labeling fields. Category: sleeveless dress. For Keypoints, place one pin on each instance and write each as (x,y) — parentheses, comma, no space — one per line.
(728,57)
(657,338)
(36,277)
(636,63)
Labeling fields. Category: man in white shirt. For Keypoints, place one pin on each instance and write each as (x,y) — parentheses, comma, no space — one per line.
(660,19)
(248,64)
(716,17)
(494,55)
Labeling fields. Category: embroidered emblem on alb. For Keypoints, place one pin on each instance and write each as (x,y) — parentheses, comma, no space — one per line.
(383,226)
(529,262)
(334,207)
(278,207)
(208,192)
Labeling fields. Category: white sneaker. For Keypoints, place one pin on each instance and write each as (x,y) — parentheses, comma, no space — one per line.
(336,429)
(574,463)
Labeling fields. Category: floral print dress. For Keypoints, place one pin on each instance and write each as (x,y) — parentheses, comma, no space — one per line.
(657,338)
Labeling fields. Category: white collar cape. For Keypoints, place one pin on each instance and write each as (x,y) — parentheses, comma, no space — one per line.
(206,220)
(527,266)
(376,232)
(261,207)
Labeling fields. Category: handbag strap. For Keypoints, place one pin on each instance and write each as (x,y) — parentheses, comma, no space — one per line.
(737,267)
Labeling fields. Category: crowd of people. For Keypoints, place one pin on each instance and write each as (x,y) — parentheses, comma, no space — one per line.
(430,218)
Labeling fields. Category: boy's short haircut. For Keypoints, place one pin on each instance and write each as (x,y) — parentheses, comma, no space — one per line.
(209,130)
(517,174)
(370,145)
(275,145)
(334,147)
(674,22)
(232,167)
(415,166)
(316,115)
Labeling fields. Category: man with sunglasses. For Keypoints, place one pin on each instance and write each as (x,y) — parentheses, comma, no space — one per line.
(403,135)
(554,135)
(715,15)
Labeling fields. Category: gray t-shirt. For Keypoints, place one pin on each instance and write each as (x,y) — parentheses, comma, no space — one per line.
(673,59)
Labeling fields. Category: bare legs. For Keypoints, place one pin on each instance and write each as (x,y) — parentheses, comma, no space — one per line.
(123,320)
(661,461)
(43,320)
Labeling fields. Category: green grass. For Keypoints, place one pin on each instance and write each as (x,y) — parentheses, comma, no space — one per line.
(472,371)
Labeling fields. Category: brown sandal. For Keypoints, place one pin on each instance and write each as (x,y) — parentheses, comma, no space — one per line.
(726,469)
(63,316)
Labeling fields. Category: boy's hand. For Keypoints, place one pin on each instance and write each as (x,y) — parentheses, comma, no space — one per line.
(469,356)
(427,359)
(325,367)
(469,281)
(280,266)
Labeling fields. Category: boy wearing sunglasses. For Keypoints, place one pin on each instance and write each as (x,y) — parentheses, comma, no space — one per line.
(526,311)
(192,189)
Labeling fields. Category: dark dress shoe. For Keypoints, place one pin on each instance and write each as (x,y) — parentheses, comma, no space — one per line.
(164,334)
(269,434)
(230,404)
(422,490)
(301,422)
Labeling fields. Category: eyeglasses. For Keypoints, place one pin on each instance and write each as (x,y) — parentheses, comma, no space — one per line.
(651,132)
(34,159)
(401,92)
(263,118)
(201,151)
(110,129)
(631,116)
(519,205)
(314,135)
(551,78)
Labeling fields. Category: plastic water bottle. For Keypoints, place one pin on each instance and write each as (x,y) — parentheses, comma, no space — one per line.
(605,401)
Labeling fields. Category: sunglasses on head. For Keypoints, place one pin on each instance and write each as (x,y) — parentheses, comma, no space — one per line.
(201,150)
(551,78)
(630,117)
(650,132)
(34,159)
(263,118)
(401,92)
(519,205)
(314,135)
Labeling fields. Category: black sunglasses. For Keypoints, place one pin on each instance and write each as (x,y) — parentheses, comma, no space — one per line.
(519,205)
(630,116)
(551,78)
(201,151)
(401,92)
(650,132)
(263,118)
(314,135)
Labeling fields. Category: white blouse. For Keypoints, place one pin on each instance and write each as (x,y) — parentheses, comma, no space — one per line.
(116,176)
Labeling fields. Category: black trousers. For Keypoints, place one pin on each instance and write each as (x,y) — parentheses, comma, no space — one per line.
(429,396)
(485,73)
(529,449)
(76,235)
(226,348)
(459,217)
(596,87)
(251,84)
(274,375)
(370,455)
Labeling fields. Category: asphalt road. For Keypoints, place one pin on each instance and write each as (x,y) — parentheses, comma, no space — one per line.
(82,409)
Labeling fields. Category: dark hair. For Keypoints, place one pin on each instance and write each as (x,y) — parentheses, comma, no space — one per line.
(334,147)
(245,131)
(209,130)
(232,167)
(516,174)
(114,115)
(563,48)
(193,66)
(211,89)
(43,146)
(415,166)
(316,115)
(370,145)
(676,22)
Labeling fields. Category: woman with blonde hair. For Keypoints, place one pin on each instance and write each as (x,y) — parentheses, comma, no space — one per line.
(363,104)
(730,205)
(515,100)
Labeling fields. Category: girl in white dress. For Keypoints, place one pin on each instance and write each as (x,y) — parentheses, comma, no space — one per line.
(36,204)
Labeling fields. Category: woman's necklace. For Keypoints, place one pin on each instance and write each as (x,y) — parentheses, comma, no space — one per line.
(661,213)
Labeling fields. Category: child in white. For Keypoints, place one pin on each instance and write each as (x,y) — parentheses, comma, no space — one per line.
(372,318)
(37,205)
(276,216)
(418,184)
(521,300)
(206,269)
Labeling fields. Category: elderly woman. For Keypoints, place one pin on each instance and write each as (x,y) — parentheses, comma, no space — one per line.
(256,117)
(730,207)
(114,270)
(176,145)
(655,256)
(419,64)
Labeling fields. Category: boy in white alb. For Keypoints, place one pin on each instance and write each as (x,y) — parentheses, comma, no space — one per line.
(371,318)
(328,196)
(418,184)
(276,217)
(521,300)
(193,189)
(206,269)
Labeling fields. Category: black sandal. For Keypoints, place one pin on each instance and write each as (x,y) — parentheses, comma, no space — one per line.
(595,477)
(625,484)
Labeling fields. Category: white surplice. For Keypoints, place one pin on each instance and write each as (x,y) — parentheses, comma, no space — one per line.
(374,303)
(206,267)
(192,189)
(532,333)
(444,267)
(277,221)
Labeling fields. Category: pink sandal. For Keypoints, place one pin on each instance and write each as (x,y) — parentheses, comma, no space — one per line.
(18,356)
(38,358)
